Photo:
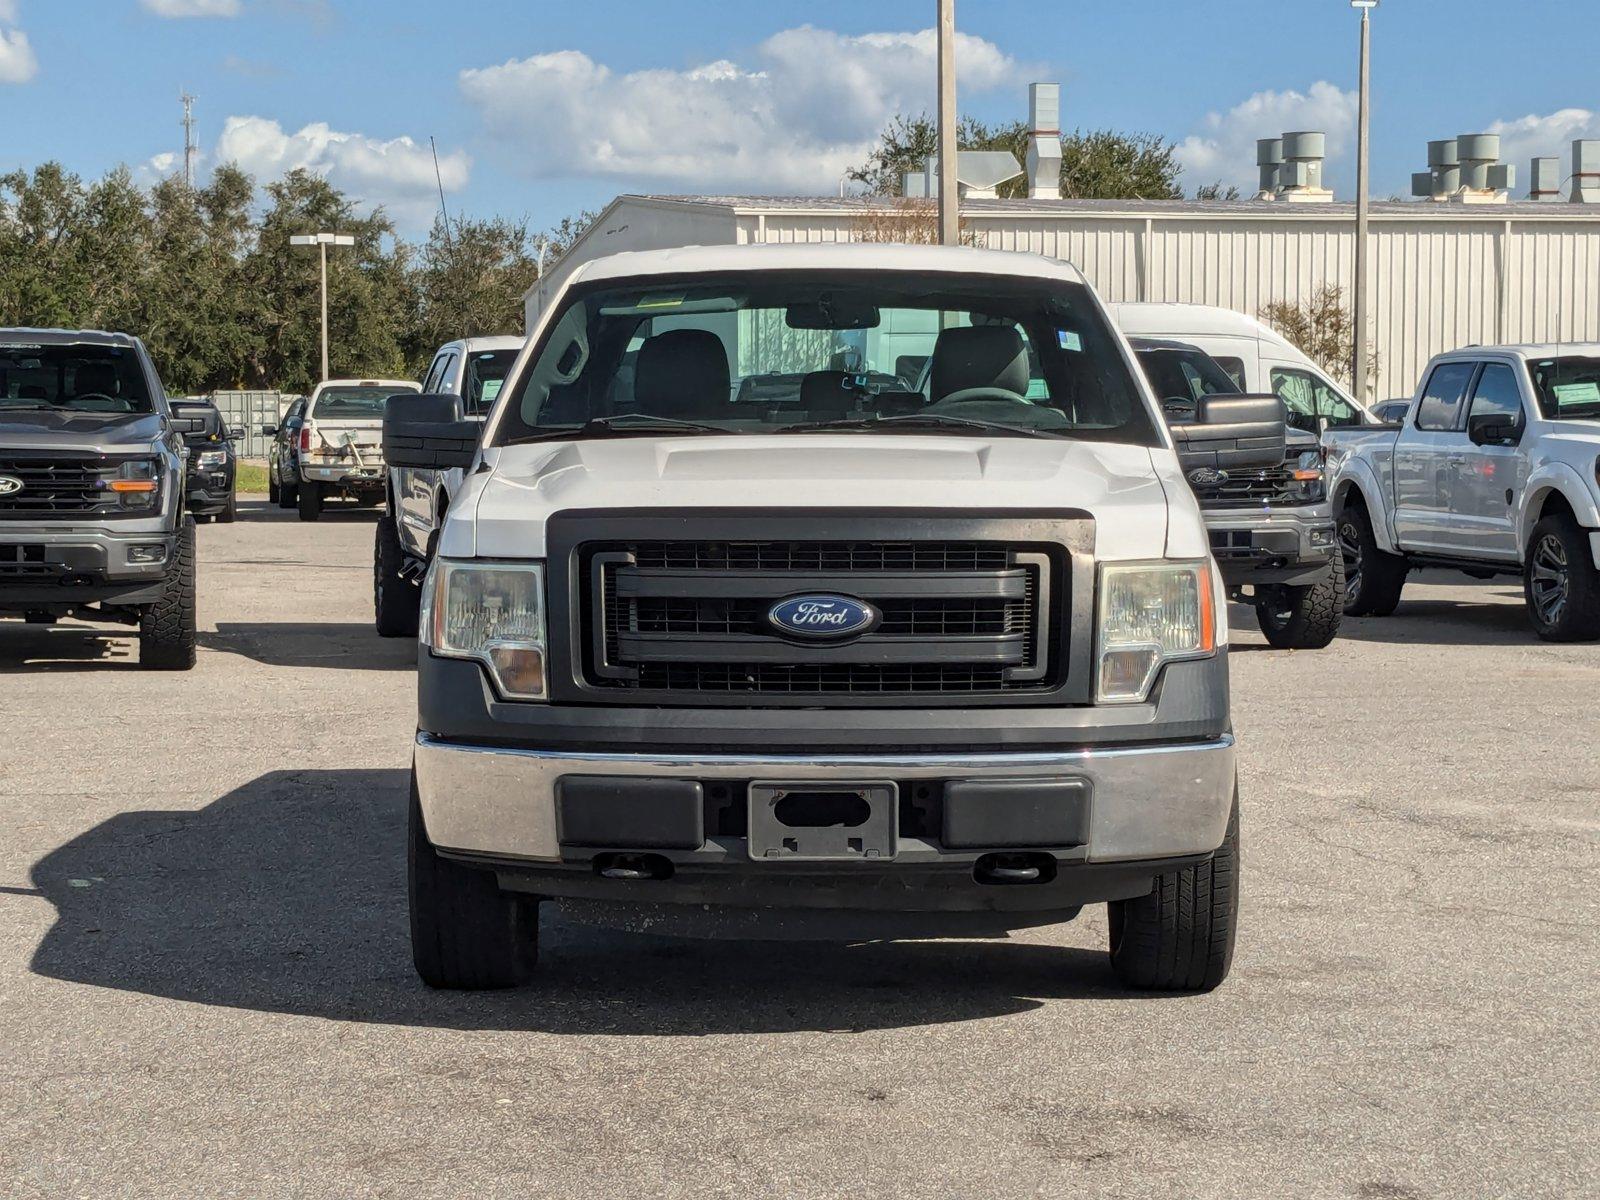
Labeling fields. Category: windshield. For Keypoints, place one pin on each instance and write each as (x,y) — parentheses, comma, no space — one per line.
(770,352)
(1180,377)
(361,403)
(486,371)
(1568,388)
(75,378)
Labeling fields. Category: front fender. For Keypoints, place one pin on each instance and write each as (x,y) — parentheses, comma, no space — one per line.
(1356,475)
(1565,479)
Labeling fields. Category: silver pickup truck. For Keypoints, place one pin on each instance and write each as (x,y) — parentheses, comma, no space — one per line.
(1494,470)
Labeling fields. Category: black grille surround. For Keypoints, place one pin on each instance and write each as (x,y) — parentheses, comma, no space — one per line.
(1251,489)
(60,486)
(669,609)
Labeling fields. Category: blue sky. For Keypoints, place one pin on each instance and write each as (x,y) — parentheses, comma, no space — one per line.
(541,109)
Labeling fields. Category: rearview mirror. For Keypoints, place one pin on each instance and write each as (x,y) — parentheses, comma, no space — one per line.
(1493,429)
(833,312)
(1234,431)
(428,431)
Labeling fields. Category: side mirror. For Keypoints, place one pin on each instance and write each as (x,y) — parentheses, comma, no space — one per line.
(269,431)
(1236,432)
(235,433)
(186,424)
(428,431)
(1493,429)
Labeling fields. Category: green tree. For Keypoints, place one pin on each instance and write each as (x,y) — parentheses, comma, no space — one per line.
(470,277)
(1324,328)
(1100,164)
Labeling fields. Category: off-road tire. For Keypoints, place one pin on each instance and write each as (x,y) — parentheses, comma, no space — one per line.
(1558,557)
(465,932)
(167,627)
(309,500)
(272,490)
(288,495)
(396,601)
(1306,617)
(1373,588)
(1180,937)
(230,510)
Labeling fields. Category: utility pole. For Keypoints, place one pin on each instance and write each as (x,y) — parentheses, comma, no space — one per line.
(949,200)
(322,241)
(190,149)
(1359,368)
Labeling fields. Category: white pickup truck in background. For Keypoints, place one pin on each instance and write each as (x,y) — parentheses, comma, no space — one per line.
(1495,470)
(341,442)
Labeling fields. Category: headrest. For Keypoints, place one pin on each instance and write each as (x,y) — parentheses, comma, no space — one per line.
(823,393)
(682,373)
(979,356)
(96,378)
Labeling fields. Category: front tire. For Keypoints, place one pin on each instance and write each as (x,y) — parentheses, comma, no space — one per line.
(465,932)
(167,627)
(310,500)
(1303,618)
(396,601)
(230,510)
(1560,583)
(1180,937)
(272,489)
(1373,578)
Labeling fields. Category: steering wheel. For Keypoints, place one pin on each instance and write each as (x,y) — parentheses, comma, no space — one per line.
(95,396)
(976,395)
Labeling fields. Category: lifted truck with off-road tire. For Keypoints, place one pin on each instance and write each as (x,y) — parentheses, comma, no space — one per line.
(94,520)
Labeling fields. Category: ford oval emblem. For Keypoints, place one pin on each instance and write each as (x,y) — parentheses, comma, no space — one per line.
(10,485)
(823,617)
(1207,477)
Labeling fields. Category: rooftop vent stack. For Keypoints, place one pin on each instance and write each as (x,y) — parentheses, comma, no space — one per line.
(1300,178)
(1269,161)
(1586,171)
(979,173)
(1044,141)
(1544,182)
(1479,153)
(914,185)
(1444,170)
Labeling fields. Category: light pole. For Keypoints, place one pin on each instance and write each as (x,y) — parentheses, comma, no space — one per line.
(1359,367)
(949,201)
(322,241)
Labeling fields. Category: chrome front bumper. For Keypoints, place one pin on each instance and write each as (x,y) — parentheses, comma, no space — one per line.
(1146,802)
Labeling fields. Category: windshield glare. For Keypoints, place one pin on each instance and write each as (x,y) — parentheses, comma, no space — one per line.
(357,403)
(82,378)
(775,352)
(1568,388)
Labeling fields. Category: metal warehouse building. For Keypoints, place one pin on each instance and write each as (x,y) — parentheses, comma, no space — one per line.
(1444,275)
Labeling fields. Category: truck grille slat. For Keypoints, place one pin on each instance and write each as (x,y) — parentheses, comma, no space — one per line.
(59,486)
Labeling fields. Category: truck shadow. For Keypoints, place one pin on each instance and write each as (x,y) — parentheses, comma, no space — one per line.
(1497,618)
(67,647)
(288,895)
(342,645)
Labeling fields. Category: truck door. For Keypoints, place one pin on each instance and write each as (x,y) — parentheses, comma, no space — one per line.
(1427,457)
(413,485)
(1493,472)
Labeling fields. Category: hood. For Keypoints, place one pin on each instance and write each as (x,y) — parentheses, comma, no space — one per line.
(1117,484)
(65,430)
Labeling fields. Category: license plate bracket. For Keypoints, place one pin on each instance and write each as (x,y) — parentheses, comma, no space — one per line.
(854,821)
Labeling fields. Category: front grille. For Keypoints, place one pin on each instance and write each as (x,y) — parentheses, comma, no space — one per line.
(26,562)
(60,486)
(1275,485)
(688,617)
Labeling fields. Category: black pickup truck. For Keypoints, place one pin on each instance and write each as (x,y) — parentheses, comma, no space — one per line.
(93,508)
(213,462)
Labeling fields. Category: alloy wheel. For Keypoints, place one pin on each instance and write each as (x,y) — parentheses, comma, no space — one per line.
(1549,581)
(1350,551)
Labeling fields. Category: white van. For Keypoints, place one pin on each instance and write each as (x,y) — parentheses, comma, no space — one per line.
(1259,358)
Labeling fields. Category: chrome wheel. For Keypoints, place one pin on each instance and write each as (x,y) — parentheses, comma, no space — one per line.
(1549,581)
(1350,551)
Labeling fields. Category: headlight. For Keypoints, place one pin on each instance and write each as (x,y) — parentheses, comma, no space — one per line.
(1309,483)
(1150,614)
(492,612)
(212,458)
(136,484)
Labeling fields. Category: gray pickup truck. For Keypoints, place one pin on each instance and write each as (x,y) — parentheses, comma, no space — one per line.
(93,520)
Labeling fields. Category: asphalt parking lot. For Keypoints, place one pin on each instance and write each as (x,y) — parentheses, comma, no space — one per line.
(205,983)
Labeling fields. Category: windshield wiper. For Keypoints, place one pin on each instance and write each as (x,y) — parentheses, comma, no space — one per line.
(914,421)
(627,425)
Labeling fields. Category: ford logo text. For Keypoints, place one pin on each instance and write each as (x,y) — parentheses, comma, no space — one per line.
(822,617)
(10,485)
(1207,477)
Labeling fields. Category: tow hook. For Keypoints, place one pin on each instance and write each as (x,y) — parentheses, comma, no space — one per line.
(633,866)
(1013,869)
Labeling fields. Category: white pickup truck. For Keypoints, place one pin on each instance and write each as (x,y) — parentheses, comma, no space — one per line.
(472,369)
(734,623)
(1495,470)
(341,442)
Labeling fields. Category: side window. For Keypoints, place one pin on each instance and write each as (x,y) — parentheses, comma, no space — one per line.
(1497,395)
(447,365)
(1235,369)
(1440,409)
(1308,396)
(430,381)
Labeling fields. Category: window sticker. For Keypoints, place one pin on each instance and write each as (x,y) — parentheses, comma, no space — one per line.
(1577,393)
(490,389)
(1069,340)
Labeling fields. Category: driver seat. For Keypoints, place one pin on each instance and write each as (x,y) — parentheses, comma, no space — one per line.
(97,379)
(978,356)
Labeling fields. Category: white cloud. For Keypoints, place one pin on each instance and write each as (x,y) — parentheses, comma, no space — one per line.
(192,8)
(810,106)
(18,63)
(8,12)
(1551,135)
(1225,148)
(398,174)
